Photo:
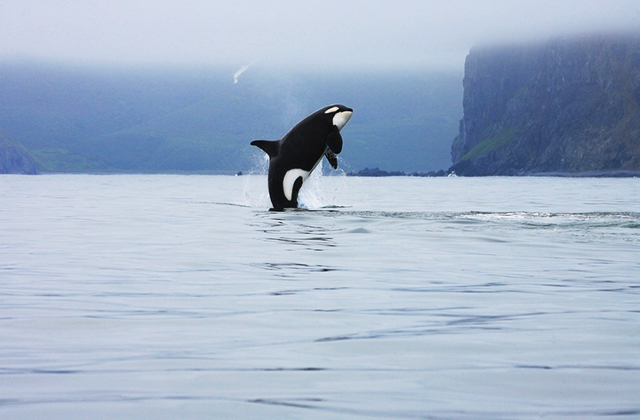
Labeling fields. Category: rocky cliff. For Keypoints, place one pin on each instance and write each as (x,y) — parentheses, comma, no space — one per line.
(14,159)
(567,106)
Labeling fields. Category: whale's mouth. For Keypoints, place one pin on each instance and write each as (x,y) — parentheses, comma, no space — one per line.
(341,118)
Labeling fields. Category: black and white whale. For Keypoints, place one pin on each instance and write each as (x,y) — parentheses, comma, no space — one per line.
(295,156)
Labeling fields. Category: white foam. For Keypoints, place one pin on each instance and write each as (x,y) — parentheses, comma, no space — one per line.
(256,193)
(321,191)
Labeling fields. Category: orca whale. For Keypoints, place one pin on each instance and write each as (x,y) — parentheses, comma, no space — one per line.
(295,156)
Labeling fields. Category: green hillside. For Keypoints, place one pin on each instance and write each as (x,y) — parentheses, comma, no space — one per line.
(152,120)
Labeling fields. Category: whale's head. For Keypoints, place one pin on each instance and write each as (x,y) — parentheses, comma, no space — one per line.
(339,114)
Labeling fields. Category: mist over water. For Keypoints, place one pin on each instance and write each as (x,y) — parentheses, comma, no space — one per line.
(327,36)
(166,296)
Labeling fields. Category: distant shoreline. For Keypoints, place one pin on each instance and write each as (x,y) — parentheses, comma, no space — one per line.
(590,174)
(376,172)
(366,173)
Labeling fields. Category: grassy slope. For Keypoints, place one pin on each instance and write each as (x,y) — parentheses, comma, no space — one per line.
(97,120)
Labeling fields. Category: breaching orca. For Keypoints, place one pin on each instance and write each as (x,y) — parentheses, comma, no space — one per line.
(292,158)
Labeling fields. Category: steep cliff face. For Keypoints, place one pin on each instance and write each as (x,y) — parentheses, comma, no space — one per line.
(15,159)
(569,105)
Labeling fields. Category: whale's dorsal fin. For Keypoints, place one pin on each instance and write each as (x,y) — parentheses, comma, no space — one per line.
(270,147)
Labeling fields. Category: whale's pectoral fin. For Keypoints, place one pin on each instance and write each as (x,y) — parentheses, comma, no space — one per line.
(332,158)
(334,140)
(270,147)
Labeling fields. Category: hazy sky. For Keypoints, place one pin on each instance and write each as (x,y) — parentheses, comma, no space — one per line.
(321,34)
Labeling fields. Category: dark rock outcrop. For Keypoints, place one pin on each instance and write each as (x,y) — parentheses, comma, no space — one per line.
(14,159)
(568,106)
(377,172)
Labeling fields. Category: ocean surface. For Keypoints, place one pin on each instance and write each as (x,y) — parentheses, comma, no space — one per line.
(184,297)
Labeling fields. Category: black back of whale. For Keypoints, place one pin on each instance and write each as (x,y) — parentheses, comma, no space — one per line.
(301,148)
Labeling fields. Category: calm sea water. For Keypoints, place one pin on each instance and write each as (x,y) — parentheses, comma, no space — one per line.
(183,297)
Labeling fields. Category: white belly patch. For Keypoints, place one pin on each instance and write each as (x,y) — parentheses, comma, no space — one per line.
(290,179)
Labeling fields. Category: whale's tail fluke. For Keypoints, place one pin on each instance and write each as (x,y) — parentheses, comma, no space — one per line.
(270,147)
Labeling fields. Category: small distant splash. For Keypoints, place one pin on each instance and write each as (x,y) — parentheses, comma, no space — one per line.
(242,69)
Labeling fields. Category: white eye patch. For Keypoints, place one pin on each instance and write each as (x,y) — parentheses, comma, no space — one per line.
(332,109)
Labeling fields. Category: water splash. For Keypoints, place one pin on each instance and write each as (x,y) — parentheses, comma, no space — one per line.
(242,69)
(255,191)
(317,192)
